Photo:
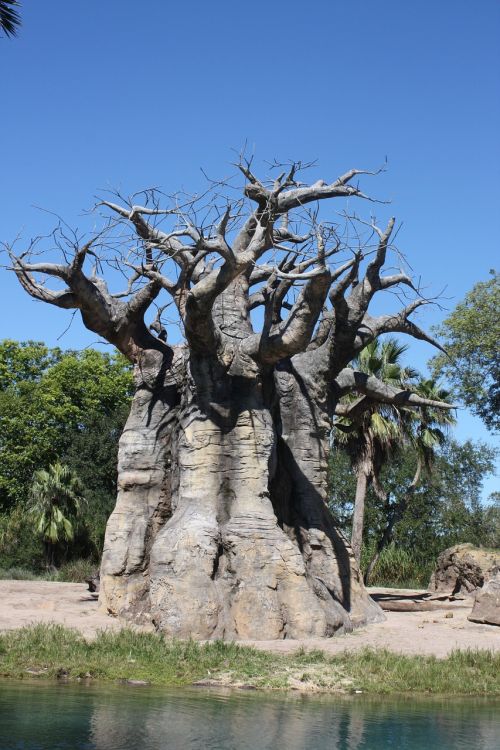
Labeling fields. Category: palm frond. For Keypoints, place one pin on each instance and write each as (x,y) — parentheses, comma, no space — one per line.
(10,20)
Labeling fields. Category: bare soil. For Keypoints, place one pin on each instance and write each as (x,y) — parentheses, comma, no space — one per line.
(430,632)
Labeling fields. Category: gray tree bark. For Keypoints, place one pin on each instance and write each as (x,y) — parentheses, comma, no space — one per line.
(358,516)
(221,527)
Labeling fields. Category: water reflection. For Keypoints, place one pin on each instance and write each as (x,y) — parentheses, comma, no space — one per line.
(81,717)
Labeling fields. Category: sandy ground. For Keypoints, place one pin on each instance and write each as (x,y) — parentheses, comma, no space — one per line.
(429,632)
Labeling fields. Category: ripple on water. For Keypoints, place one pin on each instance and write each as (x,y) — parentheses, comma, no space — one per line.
(41,716)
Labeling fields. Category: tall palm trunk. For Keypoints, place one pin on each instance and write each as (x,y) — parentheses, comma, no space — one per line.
(364,472)
(50,555)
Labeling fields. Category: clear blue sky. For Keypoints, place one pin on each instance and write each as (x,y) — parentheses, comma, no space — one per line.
(132,94)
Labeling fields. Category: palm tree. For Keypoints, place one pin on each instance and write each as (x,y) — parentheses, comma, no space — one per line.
(10,20)
(370,431)
(424,430)
(55,502)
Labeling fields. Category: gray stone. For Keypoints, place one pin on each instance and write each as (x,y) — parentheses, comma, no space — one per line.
(486,607)
(463,569)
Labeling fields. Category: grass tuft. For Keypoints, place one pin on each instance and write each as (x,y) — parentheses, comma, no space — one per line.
(53,651)
(399,568)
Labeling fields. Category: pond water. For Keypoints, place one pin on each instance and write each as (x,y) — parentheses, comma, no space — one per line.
(36,715)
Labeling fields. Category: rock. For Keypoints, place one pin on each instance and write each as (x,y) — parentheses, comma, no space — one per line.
(486,607)
(137,683)
(463,569)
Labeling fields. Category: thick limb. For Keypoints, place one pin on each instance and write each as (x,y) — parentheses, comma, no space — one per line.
(349,380)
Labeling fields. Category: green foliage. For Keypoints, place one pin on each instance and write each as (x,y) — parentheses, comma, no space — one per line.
(74,571)
(399,567)
(24,362)
(372,433)
(47,398)
(92,454)
(23,574)
(445,509)
(471,336)
(130,655)
(492,517)
(10,19)
(67,407)
(54,504)
(19,547)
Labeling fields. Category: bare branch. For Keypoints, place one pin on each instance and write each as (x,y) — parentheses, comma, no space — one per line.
(349,380)
(294,333)
(371,328)
(400,278)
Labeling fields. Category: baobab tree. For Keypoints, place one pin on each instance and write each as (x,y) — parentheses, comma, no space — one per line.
(221,527)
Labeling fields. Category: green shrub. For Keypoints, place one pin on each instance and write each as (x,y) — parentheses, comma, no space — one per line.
(20,547)
(398,567)
(76,571)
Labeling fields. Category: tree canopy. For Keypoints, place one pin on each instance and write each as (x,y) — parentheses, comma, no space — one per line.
(471,336)
(48,400)
(445,508)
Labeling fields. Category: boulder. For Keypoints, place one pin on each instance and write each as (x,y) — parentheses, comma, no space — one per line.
(463,569)
(486,607)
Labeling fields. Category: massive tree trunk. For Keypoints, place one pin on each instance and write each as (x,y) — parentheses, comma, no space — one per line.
(221,527)
(217,532)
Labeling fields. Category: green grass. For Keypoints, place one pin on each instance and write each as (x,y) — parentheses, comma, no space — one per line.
(23,574)
(53,651)
(75,571)
(399,568)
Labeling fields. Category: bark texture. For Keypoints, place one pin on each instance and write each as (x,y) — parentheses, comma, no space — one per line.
(221,526)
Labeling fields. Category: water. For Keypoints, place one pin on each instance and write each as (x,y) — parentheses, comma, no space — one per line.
(41,716)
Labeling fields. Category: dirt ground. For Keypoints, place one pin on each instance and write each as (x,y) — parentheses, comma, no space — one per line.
(429,632)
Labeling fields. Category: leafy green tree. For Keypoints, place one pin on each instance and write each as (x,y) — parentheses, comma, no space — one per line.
(24,362)
(370,430)
(425,430)
(10,20)
(56,497)
(48,398)
(445,508)
(93,455)
(493,521)
(55,406)
(470,336)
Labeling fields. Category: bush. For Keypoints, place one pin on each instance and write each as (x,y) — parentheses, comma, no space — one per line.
(20,547)
(398,567)
(76,571)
